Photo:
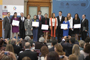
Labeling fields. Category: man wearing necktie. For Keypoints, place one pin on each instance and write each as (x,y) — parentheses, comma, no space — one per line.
(7,25)
(84,27)
(39,17)
(21,26)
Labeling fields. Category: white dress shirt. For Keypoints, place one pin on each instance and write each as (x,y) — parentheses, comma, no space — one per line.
(60,17)
(83,20)
(22,18)
(71,22)
(39,16)
(53,22)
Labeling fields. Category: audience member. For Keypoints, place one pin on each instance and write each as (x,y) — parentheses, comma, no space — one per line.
(73,57)
(87,40)
(17,49)
(26,58)
(1,45)
(52,56)
(81,44)
(68,46)
(54,42)
(86,50)
(76,51)
(27,52)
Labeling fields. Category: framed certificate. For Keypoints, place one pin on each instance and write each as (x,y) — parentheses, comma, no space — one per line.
(44,27)
(15,22)
(64,26)
(77,25)
(35,24)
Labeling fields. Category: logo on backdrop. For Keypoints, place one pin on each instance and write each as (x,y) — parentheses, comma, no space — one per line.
(14,8)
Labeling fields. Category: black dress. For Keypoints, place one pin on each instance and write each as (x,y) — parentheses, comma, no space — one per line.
(76,30)
(46,22)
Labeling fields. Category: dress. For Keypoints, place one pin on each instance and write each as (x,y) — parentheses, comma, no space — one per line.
(76,31)
(35,31)
(15,29)
(46,22)
(66,32)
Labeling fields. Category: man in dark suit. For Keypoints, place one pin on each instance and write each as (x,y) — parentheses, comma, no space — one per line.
(21,26)
(39,17)
(60,19)
(27,53)
(84,27)
(7,25)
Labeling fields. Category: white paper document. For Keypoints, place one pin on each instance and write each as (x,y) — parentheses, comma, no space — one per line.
(16,23)
(64,26)
(77,25)
(35,24)
(44,27)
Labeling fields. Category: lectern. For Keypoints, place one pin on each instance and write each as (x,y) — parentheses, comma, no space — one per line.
(0,28)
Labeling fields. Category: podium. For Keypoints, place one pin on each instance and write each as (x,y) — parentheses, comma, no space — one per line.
(0,28)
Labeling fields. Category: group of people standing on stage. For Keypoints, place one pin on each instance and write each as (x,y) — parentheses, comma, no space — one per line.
(25,27)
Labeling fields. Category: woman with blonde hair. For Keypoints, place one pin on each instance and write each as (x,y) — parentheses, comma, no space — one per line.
(26,58)
(73,57)
(70,19)
(76,51)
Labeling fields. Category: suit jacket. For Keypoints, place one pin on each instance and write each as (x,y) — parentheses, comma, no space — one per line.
(60,22)
(84,24)
(21,24)
(41,19)
(28,53)
(17,49)
(6,23)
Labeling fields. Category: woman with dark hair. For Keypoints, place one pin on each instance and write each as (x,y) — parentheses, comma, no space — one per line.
(45,21)
(15,29)
(53,25)
(76,20)
(28,26)
(1,45)
(86,50)
(52,56)
(35,29)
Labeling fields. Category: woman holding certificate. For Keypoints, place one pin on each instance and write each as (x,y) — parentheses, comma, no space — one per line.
(28,26)
(76,20)
(53,25)
(15,29)
(35,28)
(65,31)
(70,19)
(45,21)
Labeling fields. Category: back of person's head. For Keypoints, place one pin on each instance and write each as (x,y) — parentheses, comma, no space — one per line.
(87,40)
(41,39)
(72,40)
(6,57)
(27,38)
(54,42)
(52,56)
(26,58)
(73,57)
(87,48)
(81,43)
(13,42)
(67,40)
(27,45)
(10,48)
(44,51)
(76,50)
(59,49)
(1,42)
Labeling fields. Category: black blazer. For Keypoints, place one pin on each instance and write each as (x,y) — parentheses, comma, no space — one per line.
(28,53)
(43,21)
(21,24)
(60,22)
(84,24)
